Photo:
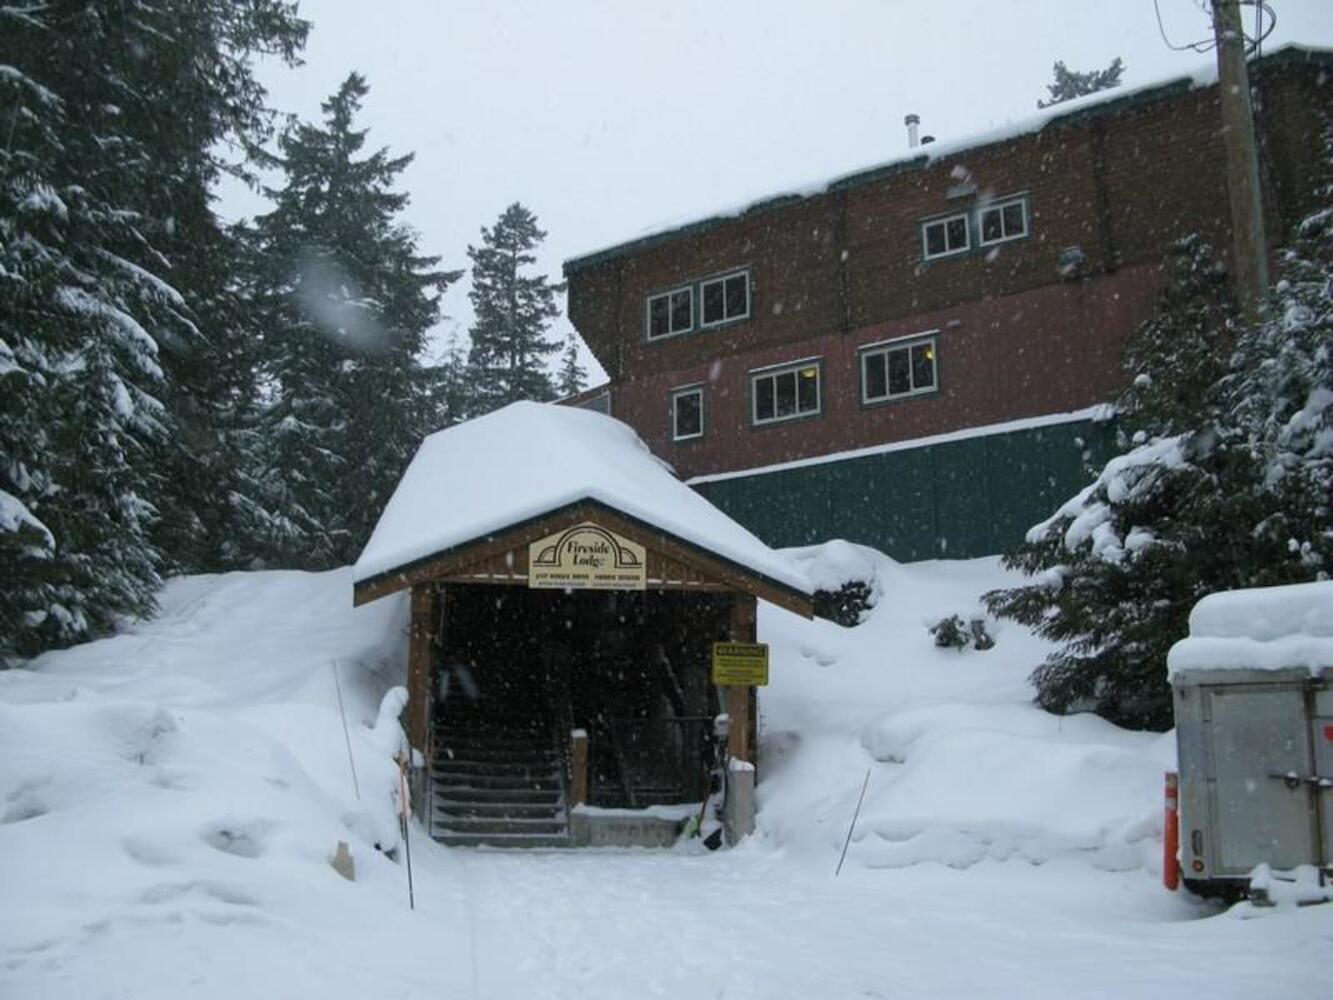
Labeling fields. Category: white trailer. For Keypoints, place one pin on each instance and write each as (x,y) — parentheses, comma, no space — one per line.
(1253,689)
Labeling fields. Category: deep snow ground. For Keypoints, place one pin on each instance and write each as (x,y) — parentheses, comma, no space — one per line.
(169,797)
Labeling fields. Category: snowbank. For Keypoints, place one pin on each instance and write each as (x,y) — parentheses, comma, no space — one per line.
(1262,628)
(963,768)
(833,564)
(178,789)
(528,459)
(170,798)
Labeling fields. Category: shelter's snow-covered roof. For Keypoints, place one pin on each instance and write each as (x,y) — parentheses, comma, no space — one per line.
(528,459)
(1205,75)
(1264,628)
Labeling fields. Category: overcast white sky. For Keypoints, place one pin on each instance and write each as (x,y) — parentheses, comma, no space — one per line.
(610,117)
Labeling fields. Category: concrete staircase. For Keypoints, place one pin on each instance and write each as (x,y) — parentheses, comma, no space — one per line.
(497,786)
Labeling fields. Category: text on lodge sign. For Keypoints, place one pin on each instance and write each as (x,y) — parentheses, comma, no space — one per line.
(587,557)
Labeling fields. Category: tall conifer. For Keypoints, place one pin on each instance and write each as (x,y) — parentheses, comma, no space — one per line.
(81,315)
(572,376)
(350,300)
(513,311)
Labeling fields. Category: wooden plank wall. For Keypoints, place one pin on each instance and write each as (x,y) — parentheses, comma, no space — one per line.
(421,640)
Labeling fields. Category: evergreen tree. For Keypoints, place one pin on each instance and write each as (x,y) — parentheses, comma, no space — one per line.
(513,311)
(1072,83)
(1224,482)
(198,103)
(1280,394)
(349,301)
(451,387)
(573,376)
(113,115)
(78,365)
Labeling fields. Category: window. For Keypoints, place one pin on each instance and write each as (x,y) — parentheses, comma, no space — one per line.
(1005,220)
(942,237)
(726,298)
(687,413)
(785,393)
(670,312)
(900,369)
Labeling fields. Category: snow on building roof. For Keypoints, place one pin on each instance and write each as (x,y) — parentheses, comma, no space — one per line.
(1264,628)
(528,459)
(921,157)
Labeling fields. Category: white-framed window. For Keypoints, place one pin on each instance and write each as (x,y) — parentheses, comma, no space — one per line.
(725,298)
(897,369)
(670,312)
(1003,220)
(945,236)
(687,413)
(785,392)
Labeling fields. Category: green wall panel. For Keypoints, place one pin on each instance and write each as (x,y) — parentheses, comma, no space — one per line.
(955,500)
(963,522)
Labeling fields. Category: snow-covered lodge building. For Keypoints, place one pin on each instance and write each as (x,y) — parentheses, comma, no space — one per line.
(915,355)
(565,593)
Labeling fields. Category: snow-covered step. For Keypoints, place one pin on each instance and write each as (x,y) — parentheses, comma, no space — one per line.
(525,841)
(520,781)
(502,826)
(515,764)
(470,794)
(496,786)
(499,810)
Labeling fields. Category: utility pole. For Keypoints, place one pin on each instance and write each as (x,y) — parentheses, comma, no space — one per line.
(1249,247)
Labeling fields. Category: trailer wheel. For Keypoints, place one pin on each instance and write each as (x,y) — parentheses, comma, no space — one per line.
(1227,890)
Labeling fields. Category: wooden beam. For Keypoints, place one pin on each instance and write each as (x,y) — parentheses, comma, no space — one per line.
(511,544)
(738,737)
(742,704)
(578,766)
(420,649)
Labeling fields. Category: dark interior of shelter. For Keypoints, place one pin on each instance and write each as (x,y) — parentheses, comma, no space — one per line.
(518,669)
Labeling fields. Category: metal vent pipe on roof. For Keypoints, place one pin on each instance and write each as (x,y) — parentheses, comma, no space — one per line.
(912,121)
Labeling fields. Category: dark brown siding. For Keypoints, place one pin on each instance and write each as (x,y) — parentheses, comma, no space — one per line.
(833,272)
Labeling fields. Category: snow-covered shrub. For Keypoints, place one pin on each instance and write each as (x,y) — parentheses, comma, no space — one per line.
(950,633)
(844,578)
(1224,481)
(848,605)
(953,632)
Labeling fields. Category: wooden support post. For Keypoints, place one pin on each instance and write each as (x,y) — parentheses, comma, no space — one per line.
(578,766)
(741,702)
(420,668)
(738,738)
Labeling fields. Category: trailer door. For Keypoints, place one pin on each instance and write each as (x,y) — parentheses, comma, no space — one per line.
(1321,735)
(1259,802)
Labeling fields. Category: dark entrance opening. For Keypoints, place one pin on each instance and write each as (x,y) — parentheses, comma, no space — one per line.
(520,669)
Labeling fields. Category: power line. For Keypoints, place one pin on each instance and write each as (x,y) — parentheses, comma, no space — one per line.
(1261,9)
(1202,45)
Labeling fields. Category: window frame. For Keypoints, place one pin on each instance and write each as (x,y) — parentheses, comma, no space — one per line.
(695,389)
(884,348)
(944,220)
(773,371)
(999,205)
(722,279)
(668,294)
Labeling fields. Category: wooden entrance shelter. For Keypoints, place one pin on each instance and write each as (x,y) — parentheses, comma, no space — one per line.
(566,590)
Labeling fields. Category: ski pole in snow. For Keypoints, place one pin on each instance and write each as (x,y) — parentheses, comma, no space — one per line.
(346,736)
(403,810)
(847,843)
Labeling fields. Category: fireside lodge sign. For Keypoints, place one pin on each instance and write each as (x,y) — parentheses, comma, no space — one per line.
(587,557)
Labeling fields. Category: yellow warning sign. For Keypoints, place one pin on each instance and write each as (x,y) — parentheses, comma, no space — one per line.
(740,664)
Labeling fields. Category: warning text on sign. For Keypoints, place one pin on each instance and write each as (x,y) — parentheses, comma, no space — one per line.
(740,664)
